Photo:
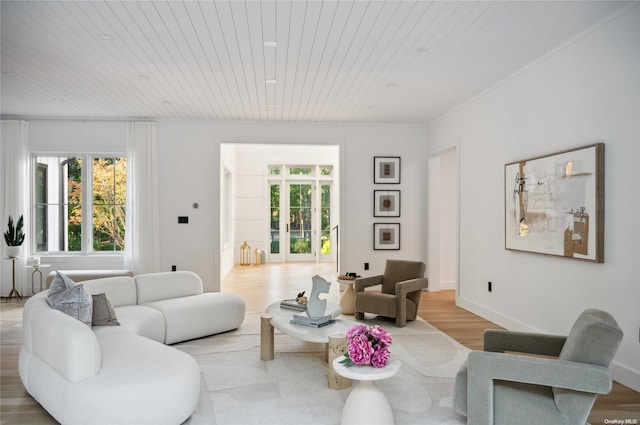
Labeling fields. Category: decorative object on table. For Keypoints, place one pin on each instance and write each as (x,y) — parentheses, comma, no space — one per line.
(295,303)
(386,203)
(386,236)
(14,237)
(367,345)
(245,254)
(386,169)
(554,204)
(313,322)
(316,306)
(301,299)
(348,276)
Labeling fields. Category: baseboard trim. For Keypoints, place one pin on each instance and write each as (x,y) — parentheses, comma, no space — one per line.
(626,376)
(621,374)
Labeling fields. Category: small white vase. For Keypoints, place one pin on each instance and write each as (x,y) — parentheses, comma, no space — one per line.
(14,251)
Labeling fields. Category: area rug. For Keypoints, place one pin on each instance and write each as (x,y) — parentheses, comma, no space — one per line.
(238,388)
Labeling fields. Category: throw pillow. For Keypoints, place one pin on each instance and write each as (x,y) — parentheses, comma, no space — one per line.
(103,312)
(70,298)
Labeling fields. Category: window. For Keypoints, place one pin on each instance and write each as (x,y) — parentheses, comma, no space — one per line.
(67,190)
(301,171)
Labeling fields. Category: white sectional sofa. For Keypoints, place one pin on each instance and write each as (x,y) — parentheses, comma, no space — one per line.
(124,374)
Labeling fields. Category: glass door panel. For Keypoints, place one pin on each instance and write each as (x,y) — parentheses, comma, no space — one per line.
(325,219)
(301,224)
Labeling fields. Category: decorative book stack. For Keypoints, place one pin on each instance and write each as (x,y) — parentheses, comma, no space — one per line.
(293,304)
(313,322)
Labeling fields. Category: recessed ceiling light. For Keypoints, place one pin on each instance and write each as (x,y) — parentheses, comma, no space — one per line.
(270,81)
(106,36)
(270,44)
(271,106)
(58,100)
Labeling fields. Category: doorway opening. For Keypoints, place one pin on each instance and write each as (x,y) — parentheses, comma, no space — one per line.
(443,221)
(282,199)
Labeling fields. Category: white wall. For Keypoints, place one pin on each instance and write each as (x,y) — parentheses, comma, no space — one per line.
(442,219)
(586,91)
(189,163)
(448,228)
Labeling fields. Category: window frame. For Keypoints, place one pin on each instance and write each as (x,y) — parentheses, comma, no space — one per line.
(86,203)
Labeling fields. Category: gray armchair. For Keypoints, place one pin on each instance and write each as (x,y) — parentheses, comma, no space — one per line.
(399,297)
(495,387)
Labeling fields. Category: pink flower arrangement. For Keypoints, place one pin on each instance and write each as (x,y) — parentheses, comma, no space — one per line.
(367,345)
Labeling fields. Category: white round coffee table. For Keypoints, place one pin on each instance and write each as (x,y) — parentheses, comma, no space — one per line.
(279,318)
(367,404)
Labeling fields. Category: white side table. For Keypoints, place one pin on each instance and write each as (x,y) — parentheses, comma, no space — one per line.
(367,404)
(33,275)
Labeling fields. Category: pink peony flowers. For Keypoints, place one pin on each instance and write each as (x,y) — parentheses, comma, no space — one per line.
(367,345)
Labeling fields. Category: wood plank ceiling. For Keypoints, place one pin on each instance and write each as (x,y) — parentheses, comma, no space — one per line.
(317,61)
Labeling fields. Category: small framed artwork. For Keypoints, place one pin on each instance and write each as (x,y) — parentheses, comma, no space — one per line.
(386,169)
(386,236)
(386,203)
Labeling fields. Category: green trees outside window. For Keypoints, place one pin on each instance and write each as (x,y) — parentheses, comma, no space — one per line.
(61,204)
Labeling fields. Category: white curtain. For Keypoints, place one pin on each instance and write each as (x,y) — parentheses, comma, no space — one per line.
(142,237)
(14,158)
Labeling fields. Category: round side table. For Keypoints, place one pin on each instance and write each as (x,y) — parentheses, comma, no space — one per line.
(367,404)
(348,297)
(33,275)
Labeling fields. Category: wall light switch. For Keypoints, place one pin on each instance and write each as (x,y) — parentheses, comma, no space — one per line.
(183,219)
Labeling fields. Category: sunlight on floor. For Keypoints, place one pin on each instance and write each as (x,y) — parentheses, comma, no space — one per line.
(268,283)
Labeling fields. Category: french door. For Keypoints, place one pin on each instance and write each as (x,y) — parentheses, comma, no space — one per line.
(300,221)
(301,227)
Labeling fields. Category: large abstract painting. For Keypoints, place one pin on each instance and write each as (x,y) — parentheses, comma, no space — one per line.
(554,204)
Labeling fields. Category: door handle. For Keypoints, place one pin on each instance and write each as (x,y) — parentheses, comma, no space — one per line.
(287,227)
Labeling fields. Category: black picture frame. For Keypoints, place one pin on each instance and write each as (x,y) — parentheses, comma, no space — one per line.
(386,203)
(386,169)
(386,236)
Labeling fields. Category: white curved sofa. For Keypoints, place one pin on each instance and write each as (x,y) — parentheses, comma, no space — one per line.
(124,374)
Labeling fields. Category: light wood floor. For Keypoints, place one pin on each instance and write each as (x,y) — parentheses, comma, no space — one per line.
(261,286)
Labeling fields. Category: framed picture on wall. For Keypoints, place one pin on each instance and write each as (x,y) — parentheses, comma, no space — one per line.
(386,203)
(554,204)
(386,169)
(386,236)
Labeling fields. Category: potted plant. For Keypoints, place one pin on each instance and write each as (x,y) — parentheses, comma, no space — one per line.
(14,237)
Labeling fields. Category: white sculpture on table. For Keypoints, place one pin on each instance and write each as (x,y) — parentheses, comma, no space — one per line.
(315,306)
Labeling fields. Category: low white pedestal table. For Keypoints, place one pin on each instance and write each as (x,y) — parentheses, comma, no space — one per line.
(367,404)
